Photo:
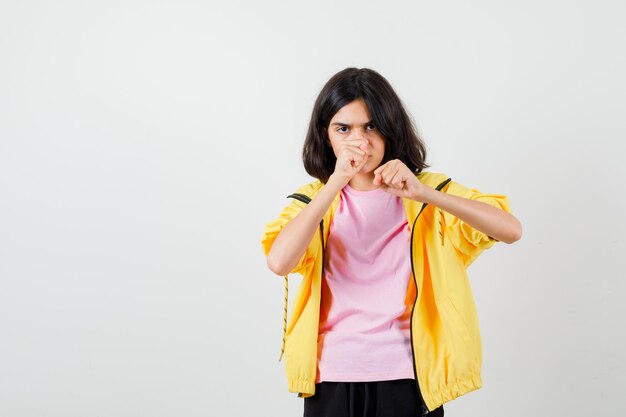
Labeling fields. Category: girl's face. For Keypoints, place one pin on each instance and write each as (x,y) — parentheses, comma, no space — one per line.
(353,121)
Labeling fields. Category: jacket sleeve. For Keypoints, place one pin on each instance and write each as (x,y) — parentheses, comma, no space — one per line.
(273,228)
(468,241)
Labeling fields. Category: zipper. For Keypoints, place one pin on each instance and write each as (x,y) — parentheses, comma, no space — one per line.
(423,406)
(323,263)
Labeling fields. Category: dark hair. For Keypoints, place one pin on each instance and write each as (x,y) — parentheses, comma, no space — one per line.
(388,114)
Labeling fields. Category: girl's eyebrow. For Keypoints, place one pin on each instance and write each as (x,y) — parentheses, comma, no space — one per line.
(347,125)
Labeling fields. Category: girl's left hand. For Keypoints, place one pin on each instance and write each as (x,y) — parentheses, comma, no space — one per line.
(397,179)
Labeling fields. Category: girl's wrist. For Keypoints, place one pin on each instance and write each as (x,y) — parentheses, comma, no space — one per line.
(336,182)
(424,194)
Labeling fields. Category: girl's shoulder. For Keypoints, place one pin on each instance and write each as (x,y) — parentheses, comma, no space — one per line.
(310,188)
(431,178)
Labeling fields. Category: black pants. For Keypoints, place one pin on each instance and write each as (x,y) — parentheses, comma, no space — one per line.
(394,398)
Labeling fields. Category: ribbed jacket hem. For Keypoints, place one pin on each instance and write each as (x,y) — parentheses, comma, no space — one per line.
(453,390)
(304,386)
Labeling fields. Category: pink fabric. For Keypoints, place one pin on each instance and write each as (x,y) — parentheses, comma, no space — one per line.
(364,332)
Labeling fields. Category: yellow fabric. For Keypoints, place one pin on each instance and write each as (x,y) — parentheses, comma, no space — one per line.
(446,337)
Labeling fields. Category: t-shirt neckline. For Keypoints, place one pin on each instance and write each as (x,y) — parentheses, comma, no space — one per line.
(353,190)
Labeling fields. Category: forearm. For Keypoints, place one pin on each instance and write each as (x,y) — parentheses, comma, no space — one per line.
(488,219)
(293,240)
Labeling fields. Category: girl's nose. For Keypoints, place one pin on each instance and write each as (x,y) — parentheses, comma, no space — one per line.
(358,134)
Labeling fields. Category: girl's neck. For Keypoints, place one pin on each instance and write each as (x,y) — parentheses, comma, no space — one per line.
(363,182)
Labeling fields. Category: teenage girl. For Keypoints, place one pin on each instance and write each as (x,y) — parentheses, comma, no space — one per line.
(362,145)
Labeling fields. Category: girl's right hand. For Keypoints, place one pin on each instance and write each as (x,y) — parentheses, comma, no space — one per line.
(352,156)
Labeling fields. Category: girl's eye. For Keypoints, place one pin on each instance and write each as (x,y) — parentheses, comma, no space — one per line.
(371,126)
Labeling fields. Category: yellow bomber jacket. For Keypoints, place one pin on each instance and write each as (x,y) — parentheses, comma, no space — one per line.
(445,334)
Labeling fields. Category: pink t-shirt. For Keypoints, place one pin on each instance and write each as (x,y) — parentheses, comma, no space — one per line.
(364,332)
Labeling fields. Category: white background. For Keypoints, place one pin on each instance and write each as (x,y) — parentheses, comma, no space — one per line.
(144,145)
